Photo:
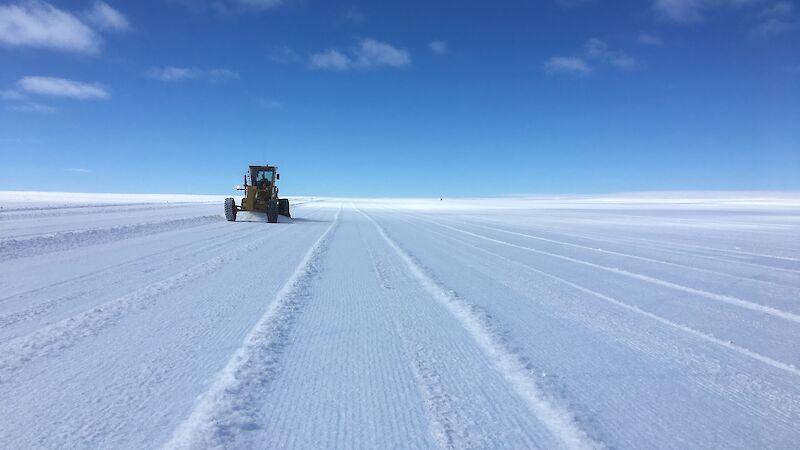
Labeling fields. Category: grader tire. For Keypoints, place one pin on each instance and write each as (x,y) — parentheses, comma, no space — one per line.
(230,210)
(272,211)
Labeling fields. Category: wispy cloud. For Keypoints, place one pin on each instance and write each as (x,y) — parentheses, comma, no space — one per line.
(598,50)
(11,94)
(62,87)
(284,55)
(35,23)
(175,74)
(438,47)
(270,104)
(369,53)
(768,17)
(31,107)
(595,52)
(573,3)
(777,18)
(649,39)
(18,101)
(258,4)
(351,16)
(330,60)
(372,53)
(79,170)
(683,11)
(38,24)
(105,17)
(567,64)
(230,6)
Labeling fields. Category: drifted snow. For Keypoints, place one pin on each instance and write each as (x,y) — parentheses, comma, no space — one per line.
(665,320)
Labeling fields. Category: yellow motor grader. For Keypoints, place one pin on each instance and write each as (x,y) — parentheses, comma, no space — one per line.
(261,195)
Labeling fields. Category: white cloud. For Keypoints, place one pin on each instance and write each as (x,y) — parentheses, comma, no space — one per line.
(61,87)
(270,104)
(692,11)
(259,4)
(777,18)
(105,17)
(679,10)
(34,23)
(11,94)
(351,16)
(372,53)
(230,6)
(284,55)
(33,107)
(573,3)
(368,54)
(598,50)
(79,170)
(171,74)
(768,16)
(567,64)
(330,60)
(649,39)
(438,47)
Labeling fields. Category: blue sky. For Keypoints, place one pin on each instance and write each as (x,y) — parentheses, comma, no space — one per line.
(413,98)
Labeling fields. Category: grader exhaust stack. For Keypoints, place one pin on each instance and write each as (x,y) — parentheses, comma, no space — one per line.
(261,195)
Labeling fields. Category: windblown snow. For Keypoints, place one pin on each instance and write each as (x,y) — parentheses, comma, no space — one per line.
(666,320)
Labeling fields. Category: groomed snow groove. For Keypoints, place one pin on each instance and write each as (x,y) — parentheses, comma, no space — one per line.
(709,295)
(19,248)
(699,334)
(58,336)
(231,403)
(443,421)
(74,288)
(558,420)
(682,248)
(624,255)
(118,345)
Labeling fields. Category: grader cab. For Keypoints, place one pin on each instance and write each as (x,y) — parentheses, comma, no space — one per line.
(261,195)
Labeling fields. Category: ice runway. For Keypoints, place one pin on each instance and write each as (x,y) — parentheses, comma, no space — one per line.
(642,322)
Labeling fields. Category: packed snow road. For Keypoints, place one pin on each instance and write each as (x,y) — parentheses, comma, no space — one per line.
(522,323)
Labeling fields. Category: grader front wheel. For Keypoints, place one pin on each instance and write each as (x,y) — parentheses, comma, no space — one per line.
(230,210)
(272,211)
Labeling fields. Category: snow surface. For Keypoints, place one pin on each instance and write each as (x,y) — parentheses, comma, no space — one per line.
(660,320)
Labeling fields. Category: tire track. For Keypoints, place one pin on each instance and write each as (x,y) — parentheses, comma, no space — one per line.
(627,255)
(682,248)
(66,240)
(790,368)
(231,403)
(559,421)
(641,277)
(66,291)
(116,269)
(52,339)
(443,418)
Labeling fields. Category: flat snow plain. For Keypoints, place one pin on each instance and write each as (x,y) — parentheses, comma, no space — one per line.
(639,321)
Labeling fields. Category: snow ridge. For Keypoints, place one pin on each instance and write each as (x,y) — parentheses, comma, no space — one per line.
(18,248)
(444,425)
(681,248)
(699,334)
(230,404)
(65,333)
(559,421)
(624,255)
(710,295)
